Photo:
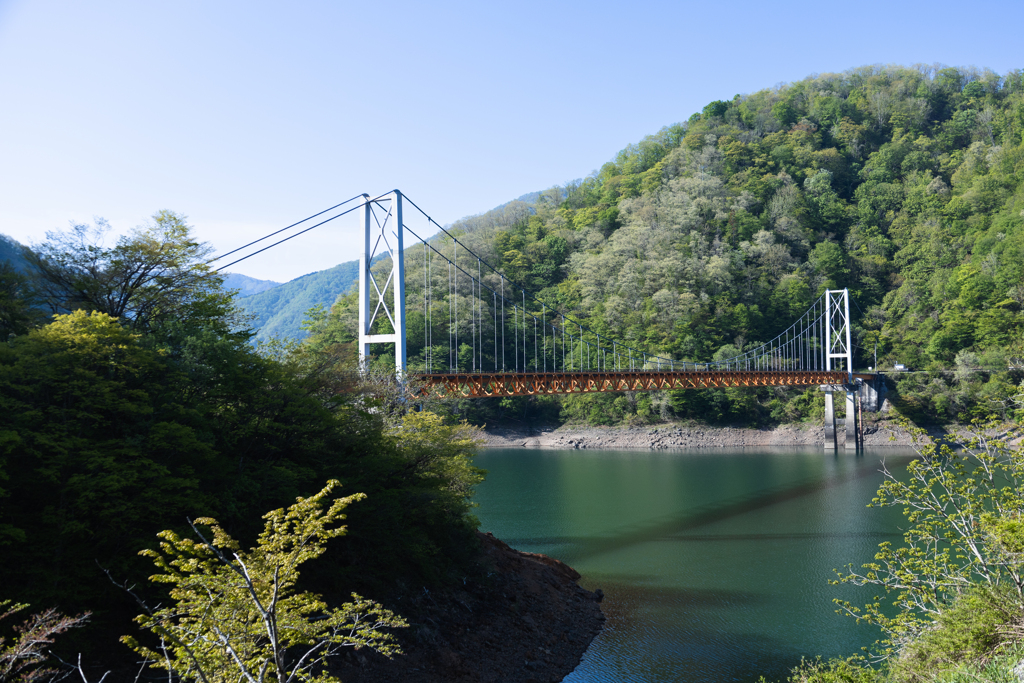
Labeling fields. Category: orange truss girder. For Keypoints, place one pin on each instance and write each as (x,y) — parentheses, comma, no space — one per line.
(484,384)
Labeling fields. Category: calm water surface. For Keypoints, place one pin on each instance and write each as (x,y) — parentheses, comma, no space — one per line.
(715,565)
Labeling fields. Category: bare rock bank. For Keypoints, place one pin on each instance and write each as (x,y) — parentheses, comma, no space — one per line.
(881,433)
(529,621)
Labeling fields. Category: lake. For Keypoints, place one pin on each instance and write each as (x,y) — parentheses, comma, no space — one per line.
(715,565)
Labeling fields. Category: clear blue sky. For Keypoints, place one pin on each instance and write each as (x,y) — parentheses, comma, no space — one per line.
(246,116)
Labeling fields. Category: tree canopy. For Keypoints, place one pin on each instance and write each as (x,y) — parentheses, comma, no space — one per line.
(157,272)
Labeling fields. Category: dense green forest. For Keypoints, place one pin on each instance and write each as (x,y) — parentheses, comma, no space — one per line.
(904,184)
(142,404)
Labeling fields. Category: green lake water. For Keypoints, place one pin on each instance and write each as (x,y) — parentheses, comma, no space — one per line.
(715,565)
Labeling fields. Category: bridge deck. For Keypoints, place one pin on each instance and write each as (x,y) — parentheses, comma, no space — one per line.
(477,385)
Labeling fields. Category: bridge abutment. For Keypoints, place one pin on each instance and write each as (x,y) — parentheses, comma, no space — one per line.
(872,393)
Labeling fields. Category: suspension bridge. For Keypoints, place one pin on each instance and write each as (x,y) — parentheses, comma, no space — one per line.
(474,332)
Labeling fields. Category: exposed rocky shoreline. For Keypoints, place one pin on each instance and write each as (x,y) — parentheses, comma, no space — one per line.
(877,433)
(528,621)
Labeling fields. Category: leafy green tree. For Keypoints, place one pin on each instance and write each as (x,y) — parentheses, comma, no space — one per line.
(963,507)
(970,629)
(17,313)
(157,272)
(416,522)
(829,262)
(109,433)
(91,458)
(716,108)
(239,615)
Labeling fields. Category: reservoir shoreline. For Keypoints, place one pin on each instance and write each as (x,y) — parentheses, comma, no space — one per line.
(880,433)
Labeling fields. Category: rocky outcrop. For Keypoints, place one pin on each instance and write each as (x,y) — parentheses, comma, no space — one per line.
(526,619)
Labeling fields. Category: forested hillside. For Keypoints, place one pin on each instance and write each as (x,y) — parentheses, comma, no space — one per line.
(279,311)
(245,285)
(904,184)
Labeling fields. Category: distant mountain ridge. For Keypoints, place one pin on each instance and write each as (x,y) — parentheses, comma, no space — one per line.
(280,310)
(10,250)
(247,286)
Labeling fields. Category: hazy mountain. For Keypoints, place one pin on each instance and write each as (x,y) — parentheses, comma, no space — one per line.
(10,250)
(279,311)
(247,286)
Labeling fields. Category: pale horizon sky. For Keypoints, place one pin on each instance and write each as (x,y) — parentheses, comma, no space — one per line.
(249,116)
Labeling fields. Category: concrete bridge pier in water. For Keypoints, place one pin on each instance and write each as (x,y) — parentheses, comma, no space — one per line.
(850,422)
(865,393)
(852,415)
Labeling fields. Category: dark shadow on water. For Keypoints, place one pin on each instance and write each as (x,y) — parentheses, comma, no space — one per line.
(674,525)
(633,590)
(580,541)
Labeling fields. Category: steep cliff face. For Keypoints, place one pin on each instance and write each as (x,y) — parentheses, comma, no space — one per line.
(527,619)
